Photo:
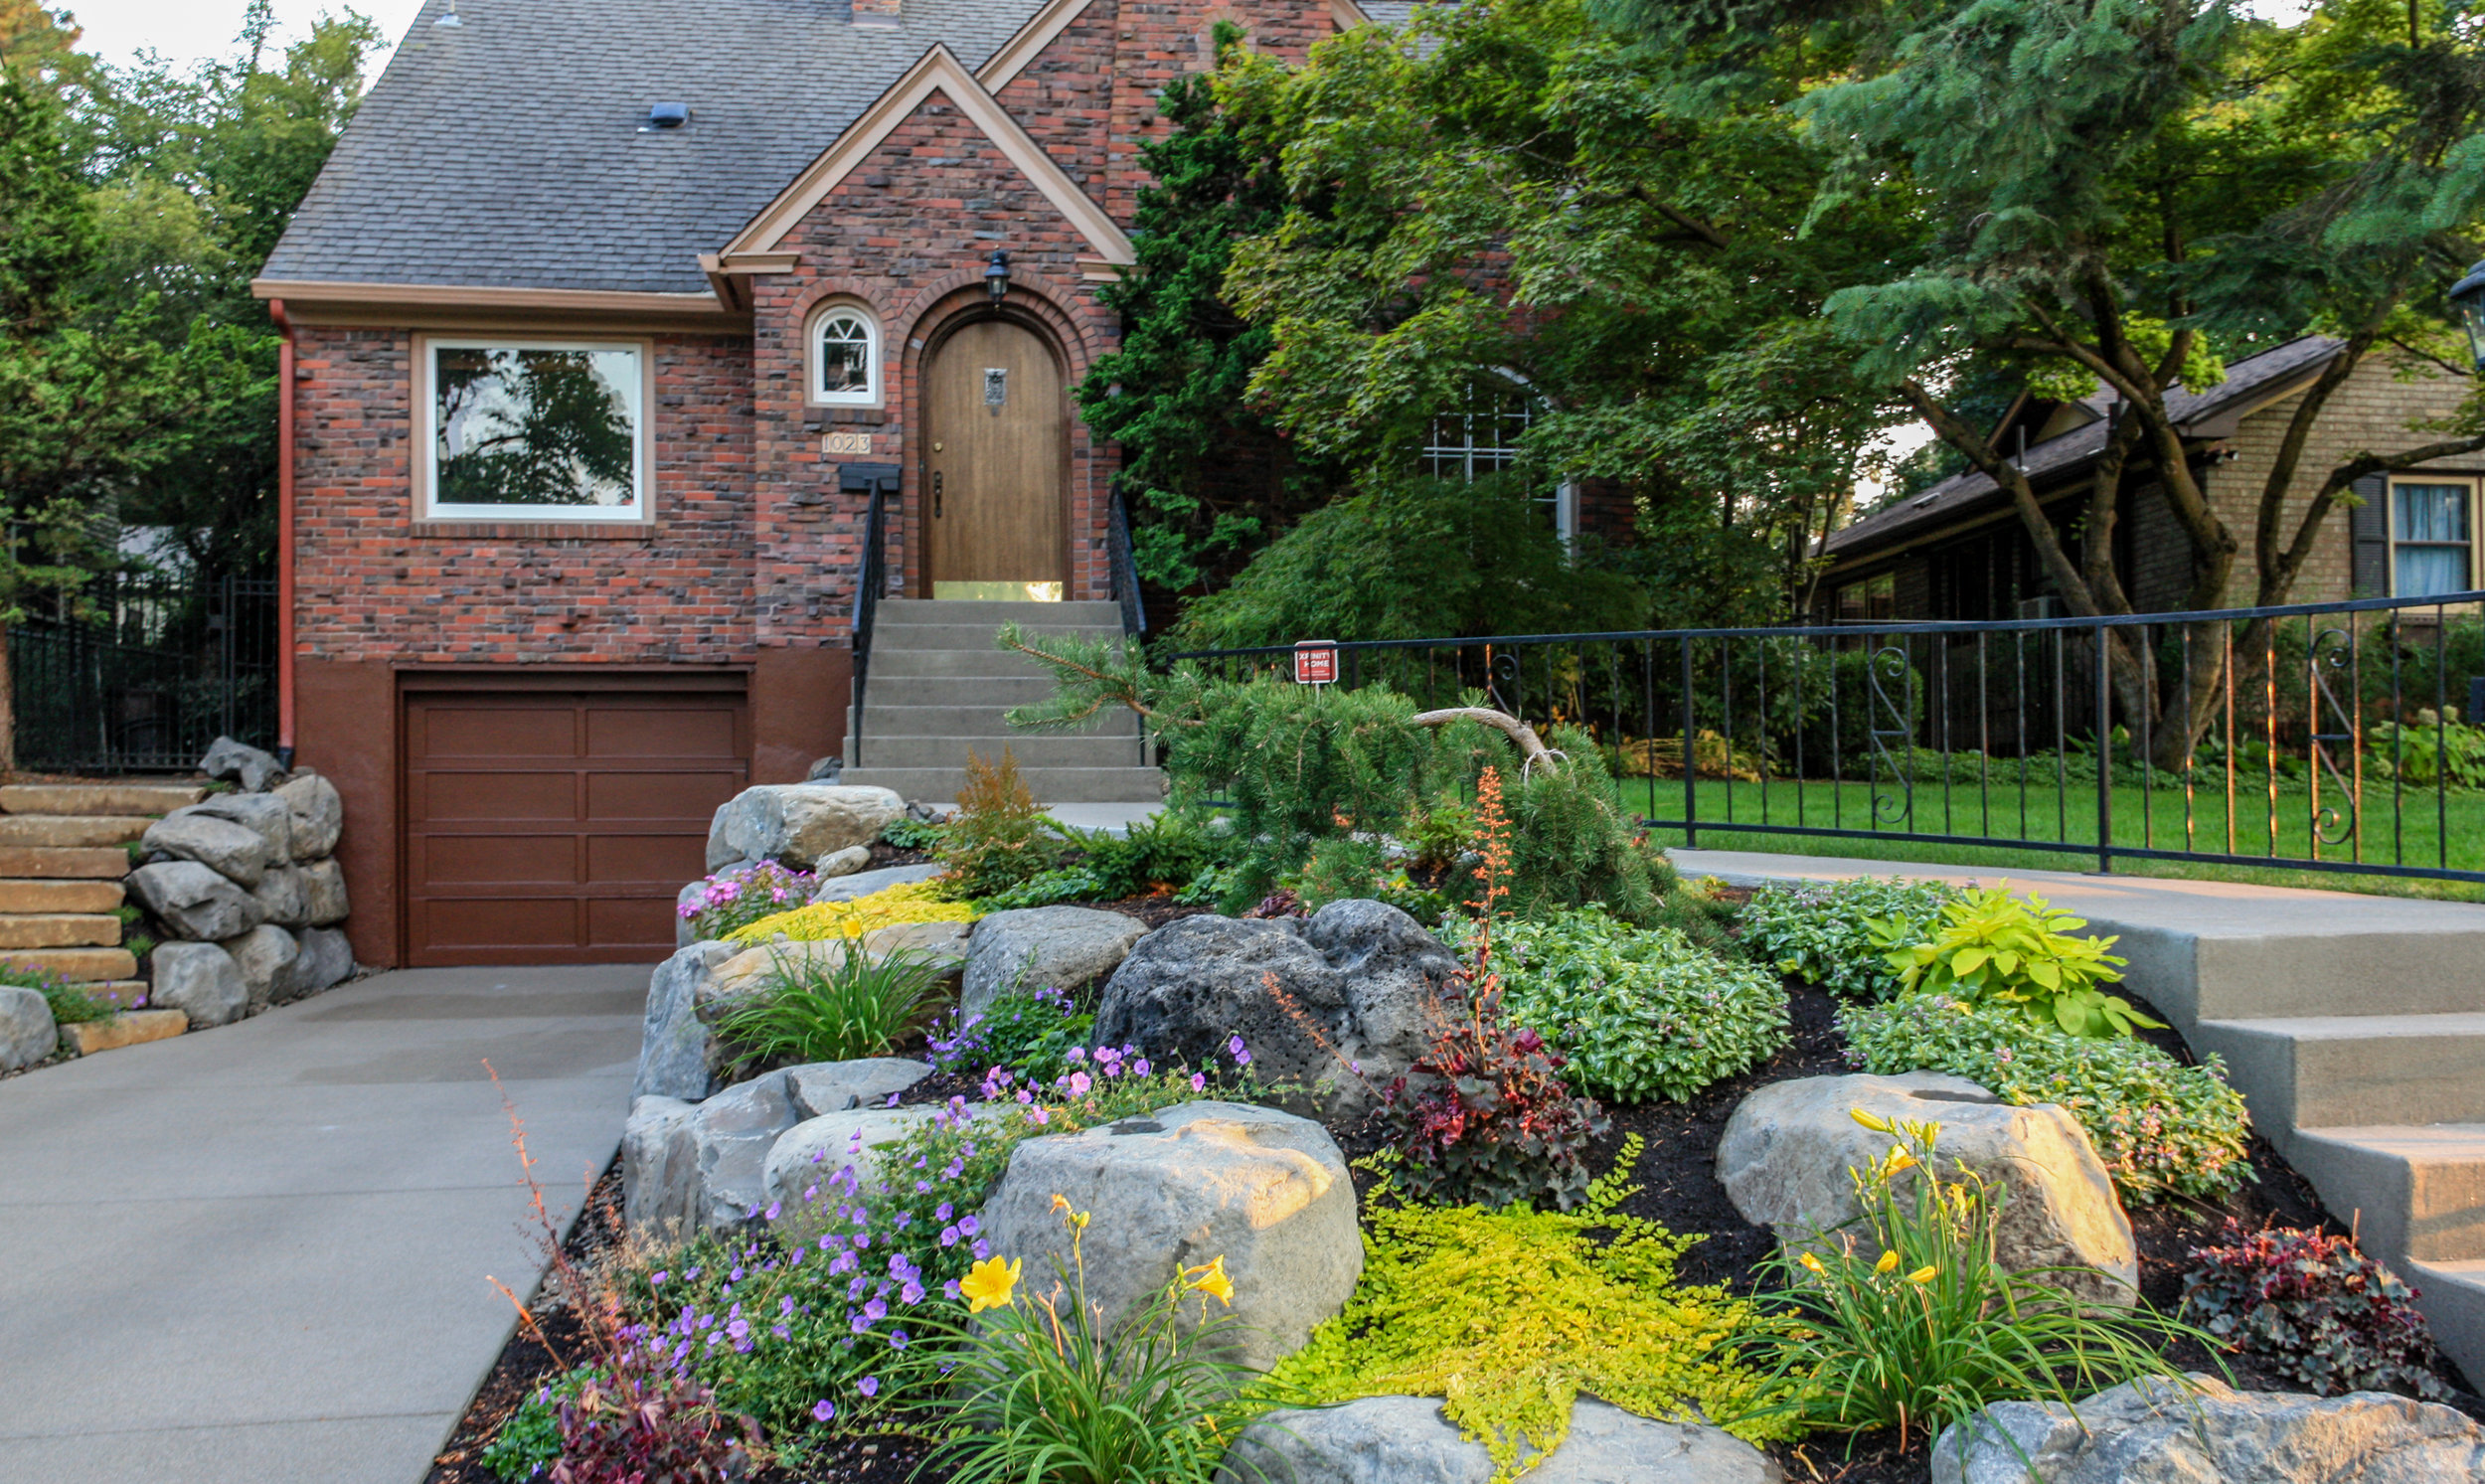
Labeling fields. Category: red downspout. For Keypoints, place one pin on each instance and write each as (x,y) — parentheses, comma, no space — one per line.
(285,534)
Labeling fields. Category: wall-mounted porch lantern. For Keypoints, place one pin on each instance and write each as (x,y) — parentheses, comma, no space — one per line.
(997,276)
(2468,297)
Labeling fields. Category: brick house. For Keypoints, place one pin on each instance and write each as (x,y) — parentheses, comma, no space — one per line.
(607,322)
(1958,550)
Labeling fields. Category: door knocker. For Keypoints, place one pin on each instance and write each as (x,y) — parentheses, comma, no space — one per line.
(996,386)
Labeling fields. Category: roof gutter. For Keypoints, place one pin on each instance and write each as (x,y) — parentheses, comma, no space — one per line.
(285,534)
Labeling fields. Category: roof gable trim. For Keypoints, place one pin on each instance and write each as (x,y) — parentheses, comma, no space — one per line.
(939,71)
(1029,41)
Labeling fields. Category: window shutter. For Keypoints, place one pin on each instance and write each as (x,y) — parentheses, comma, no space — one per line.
(2369,529)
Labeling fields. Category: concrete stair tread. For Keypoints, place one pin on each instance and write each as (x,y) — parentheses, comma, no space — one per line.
(922,636)
(2360,1026)
(961,610)
(2429,1141)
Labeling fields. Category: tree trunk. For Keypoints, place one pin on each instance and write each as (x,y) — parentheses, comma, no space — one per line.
(8,710)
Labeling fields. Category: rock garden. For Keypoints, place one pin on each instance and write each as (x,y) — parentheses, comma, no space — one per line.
(1387,1110)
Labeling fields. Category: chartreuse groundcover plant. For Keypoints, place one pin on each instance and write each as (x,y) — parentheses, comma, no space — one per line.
(1509,1315)
(2161,1128)
(907,902)
(1822,932)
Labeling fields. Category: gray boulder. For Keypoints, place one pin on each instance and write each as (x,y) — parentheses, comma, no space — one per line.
(318,816)
(685,902)
(2153,1432)
(819,1088)
(1407,1440)
(844,862)
(1364,974)
(255,770)
(234,851)
(806,1156)
(27,1033)
(193,902)
(201,981)
(798,823)
(325,961)
(265,955)
(1786,1151)
(1264,1190)
(864,882)
(262,812)
(1067,947)
(282,897)
(675,1046)
(702,1167)
(323,894)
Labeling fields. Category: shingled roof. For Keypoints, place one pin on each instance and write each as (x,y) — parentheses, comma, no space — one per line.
(2197,415)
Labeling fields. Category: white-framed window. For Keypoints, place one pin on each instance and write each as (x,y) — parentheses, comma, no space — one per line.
(534,430)
(845,356)
(2433,524)
(1482,439)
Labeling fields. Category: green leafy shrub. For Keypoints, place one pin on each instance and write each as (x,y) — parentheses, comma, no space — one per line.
(1165,851)
(853,1004)
(2437,746)
(1509,1315)
(1640,1013)
(1820,930)
(906,832)
(1991,947)
(2313,1309)
(1912,1324)
(2161,1128)
(528,1442)
(1571,845)
(1030,1031)
(70,1003)
(739,895)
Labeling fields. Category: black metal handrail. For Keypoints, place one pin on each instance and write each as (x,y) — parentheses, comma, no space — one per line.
(2321,737)
(1122,566)
(871,574)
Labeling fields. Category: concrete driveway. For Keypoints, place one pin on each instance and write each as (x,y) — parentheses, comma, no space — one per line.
(258,1254)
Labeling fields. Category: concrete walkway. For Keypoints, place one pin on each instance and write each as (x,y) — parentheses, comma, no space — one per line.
(258,1254)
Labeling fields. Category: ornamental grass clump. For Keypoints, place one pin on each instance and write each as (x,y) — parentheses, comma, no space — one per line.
(1509,1315)
(2162,1128)
(1902,1319)
(1821,931)
(907,902)
(1640,1013)
(832,1008)
(2313,1309)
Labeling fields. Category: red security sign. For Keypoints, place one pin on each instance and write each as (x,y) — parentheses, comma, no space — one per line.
(1315,662)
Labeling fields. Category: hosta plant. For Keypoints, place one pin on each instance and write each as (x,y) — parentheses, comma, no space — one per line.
(1994,949)
(2313,1309)
(1822,932)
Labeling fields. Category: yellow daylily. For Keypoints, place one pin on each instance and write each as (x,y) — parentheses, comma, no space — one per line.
(1888,1261)
(1925,1274)
(1873,1121)
(989,1284)
(1076,1218)
(1811,1262)
(1211,1280)
(1900,1160)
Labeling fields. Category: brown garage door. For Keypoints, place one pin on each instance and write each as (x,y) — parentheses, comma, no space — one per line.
(556,826)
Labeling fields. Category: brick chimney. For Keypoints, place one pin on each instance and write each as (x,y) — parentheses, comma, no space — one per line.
(877,11)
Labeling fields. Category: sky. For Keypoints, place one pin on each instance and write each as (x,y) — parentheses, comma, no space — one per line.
(188,30)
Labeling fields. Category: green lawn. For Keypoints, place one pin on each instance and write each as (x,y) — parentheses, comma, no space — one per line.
(2407,832)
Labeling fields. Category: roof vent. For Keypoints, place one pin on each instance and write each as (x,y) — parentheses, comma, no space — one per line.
(451,18)
(665,117)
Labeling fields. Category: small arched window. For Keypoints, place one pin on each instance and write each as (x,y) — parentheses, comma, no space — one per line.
(845,357)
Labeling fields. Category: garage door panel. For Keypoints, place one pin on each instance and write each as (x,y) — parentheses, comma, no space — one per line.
(556,826)
(498,731)
(641,796)
(448,798)
(666,731)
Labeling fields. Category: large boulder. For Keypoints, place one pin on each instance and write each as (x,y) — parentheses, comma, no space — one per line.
(1264,1190)
(238,762)
(282,897)
(234,851)
(808,1155)
(325,961)
(318,816)
(263,813)
(193,902)
(1067,947)
(323,894)
(865,883)
(1407,1440)
(676,1047)
(1364,974)
(798,823)
(819,1088)
(201,980)
(1787,1150)
(27,1031)
(2153,1432)
(265,955)
(702,1167)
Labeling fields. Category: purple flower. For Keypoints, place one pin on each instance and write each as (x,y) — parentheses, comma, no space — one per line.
(1078,1085)
(1199,1084)
(983,1249)
(1076,1055)
(941,1213)
(868,1385)
(659,1277)
(948,1236)
(969,1226)
(896,1339)
(876,1311)
(1233,1047)
(912,1293)
(1142,1066)
(823,1411)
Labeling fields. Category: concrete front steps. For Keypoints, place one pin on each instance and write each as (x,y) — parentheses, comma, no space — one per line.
(2354,1025)
(937,689)
(61,858)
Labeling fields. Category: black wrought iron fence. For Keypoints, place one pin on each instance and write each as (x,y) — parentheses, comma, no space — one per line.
(145,674)
(2328,737)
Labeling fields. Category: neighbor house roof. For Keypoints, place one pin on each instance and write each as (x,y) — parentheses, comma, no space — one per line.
(2250,383)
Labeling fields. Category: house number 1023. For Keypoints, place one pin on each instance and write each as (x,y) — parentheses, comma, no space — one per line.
(835,443)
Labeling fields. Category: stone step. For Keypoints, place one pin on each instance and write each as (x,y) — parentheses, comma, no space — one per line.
(72,828)
(994,612)
(77,966)
(901,664)
(998,692)
(61,895)
(130,1028)
(979,722)
(98,798)
(903,636)
(1032,749)
(1051,785)
(92,863)
(2314,1072)
(59,930)
(2452,1296)
(2415,1191)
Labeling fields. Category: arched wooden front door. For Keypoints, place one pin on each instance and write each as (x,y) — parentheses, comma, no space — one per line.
(996,465)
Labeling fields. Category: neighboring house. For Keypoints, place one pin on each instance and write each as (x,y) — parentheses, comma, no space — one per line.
(606,319)
(1958,550)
